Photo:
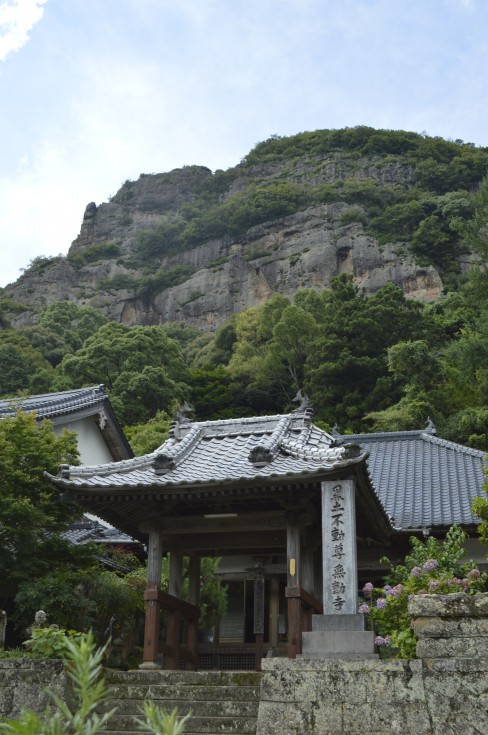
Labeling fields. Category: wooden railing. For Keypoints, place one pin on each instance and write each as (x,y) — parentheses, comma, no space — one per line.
(301,606)
(179,611)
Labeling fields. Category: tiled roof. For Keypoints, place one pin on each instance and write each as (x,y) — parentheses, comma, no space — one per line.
(71,405)
(90,530)
(422,480)
(226,451)
(418,479)
(49,405)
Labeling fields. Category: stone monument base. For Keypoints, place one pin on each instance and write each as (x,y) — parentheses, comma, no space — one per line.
(338,637)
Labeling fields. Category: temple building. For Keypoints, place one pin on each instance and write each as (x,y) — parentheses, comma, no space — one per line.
(255,492)
(86,411)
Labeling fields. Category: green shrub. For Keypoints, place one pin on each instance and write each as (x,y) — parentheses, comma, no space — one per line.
(52,642)
(432,567)
(92,253)
(350,216)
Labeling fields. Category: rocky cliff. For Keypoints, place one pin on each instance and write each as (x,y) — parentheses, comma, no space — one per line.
(195,246)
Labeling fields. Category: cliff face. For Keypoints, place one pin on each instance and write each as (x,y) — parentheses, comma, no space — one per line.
(111,265)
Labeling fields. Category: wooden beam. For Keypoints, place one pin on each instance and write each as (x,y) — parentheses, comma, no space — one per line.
(228,541)
(262,521)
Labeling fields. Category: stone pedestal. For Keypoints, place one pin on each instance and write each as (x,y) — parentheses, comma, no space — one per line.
(338,637)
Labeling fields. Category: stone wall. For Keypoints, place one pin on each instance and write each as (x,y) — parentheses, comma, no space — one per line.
(23,683)
(443,693)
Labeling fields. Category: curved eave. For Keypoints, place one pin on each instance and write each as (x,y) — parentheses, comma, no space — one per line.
(163,483)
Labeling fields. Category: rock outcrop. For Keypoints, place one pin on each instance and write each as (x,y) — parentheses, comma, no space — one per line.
(219,277)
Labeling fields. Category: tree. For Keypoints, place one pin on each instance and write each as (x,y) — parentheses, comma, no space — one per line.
(346,369)
(475,230)
(19,362)
(32,515)
(149,435)
(142,368)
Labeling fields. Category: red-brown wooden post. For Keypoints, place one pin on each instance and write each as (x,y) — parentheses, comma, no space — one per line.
(293,581)
(173,630)
(194,565)
(294,623)
(153,607)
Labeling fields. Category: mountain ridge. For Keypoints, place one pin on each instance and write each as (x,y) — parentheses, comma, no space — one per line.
(195,246)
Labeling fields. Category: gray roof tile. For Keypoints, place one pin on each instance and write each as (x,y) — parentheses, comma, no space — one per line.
(421,479)
(219,451)
(49,405)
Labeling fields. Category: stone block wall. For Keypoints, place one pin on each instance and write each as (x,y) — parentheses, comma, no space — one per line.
(443,693)
(448,626)
(23,683)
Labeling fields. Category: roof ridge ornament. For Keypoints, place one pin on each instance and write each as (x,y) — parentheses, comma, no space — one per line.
(265,451)
(430,427)
(172,452)
(181,420)
(305,406)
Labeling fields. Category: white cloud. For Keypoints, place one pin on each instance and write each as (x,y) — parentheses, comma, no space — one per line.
(17,18)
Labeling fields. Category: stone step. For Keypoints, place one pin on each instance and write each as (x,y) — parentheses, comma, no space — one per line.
(181,691)
(220,702)
(213,678)
(200,708)
(201,725)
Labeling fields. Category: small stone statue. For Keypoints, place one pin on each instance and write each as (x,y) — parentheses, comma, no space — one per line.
(40,621)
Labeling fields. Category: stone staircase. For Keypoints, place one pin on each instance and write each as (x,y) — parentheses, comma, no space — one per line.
(221,702)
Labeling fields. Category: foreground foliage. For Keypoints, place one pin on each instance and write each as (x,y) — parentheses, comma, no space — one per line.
(84,668)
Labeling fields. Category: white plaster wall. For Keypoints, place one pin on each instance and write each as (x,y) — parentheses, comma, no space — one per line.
(91,445)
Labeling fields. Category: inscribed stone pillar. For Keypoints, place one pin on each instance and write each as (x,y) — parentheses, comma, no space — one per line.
(339,553)
(339,632)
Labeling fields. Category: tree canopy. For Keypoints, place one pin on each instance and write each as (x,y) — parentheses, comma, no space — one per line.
(32,514)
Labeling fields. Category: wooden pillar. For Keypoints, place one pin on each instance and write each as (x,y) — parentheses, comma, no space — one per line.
(274,611)
(194,598)
(153,607)
(173,630)
(307,576)
(293,580)
(259,620)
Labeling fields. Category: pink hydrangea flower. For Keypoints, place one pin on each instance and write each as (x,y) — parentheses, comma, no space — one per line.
(474,573)
(368,589)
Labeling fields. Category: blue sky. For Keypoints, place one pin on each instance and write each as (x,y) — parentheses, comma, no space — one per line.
(94,92)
